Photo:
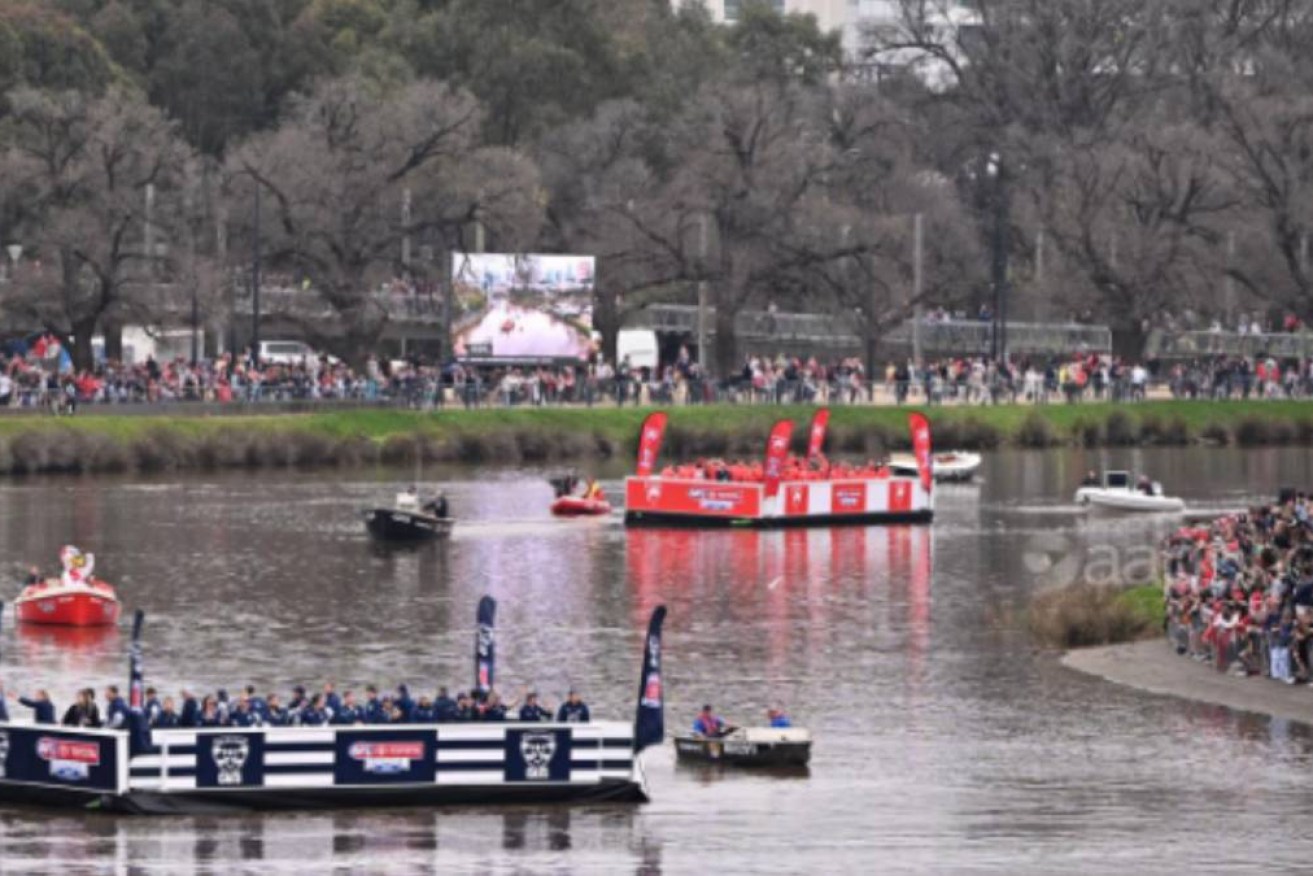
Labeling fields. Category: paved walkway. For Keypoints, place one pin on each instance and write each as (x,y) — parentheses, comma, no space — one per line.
(1154,666)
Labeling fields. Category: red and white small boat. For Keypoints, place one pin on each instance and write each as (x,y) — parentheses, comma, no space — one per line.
(94,604)
(75,599)
(578,506)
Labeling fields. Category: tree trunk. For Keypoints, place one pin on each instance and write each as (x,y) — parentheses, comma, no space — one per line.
(606,320)
(871,349)
(82,354)
(113,340)
(726,360)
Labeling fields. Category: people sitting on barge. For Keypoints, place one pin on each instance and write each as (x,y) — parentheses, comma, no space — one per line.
(250,710)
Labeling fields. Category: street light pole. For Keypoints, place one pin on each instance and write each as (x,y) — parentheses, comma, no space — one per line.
(255,282)
(917,280)
(1000,259)
(702,296)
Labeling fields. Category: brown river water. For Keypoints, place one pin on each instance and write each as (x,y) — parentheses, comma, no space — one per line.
(944,742)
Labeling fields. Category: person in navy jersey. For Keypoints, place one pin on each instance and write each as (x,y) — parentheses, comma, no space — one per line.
(277,715)
(167,719)
(403,702)
(347,711)
(373,708)
(152,706)
(210,715)
(332,702)
(116,711)
(241,714)
(444,707)
(259,705)
(190,716)
(423,712)
(573,711)
(4,709)
(298,700)
(493,708)
(709,724)
(465,707)
(532,711)
(314,714)
(43,710)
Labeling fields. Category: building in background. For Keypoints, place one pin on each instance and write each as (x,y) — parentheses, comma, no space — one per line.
(865,24)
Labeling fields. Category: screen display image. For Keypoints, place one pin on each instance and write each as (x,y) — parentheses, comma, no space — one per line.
(523,306)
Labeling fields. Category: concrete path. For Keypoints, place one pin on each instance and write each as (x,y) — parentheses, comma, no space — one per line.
(1155,667)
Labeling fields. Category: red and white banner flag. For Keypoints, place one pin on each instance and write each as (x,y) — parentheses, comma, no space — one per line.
(816,436)
(649,442)
(920,428)
(777,451)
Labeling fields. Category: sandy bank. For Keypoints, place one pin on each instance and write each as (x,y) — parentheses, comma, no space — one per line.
(1155,667)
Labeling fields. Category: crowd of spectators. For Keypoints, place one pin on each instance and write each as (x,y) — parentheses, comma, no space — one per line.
(36,377)
(1240,590)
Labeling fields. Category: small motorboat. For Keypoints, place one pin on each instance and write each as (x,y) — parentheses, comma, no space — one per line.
(1118,491)
(90,604)
(578,506)
(749,747)
(75,599)
(407,520)
(952,466)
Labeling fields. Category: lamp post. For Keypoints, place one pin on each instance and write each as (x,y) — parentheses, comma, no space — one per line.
(15,251)
(255,283)
(999,267)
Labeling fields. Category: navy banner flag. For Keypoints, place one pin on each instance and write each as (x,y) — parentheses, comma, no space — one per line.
(136,698)
(485,649)
(650,720)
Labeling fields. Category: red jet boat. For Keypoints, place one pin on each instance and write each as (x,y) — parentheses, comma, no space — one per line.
(578,506)
(94,604)
(75,599)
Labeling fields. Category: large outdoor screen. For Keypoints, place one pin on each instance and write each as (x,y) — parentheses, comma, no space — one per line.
(522,306)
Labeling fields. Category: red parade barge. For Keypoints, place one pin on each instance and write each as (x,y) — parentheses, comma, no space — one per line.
(75,599)
(781,491)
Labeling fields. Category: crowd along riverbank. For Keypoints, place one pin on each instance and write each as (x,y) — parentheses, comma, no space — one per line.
(170,441)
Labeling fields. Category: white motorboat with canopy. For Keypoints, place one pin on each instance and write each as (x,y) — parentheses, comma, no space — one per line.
(1118,491)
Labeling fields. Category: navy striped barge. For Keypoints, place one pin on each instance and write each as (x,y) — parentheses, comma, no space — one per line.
(229,769)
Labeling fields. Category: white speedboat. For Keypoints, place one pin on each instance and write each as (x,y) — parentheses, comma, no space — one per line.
(954,465)
(1119,492)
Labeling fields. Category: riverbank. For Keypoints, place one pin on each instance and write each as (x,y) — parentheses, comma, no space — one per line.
(1155,667)
(175,440)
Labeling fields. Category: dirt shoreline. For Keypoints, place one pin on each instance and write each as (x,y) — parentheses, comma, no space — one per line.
(1153,666)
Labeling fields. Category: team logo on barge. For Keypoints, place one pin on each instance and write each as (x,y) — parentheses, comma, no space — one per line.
(230,754)
(537,749)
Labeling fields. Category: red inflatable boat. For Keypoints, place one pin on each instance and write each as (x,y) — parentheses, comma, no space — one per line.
(577,506)
(93,604)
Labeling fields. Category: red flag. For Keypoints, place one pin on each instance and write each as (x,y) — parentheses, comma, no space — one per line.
(777,450)
(649,442)
(816,437)
(920,428)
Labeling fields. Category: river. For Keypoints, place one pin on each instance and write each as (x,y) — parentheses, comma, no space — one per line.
(944,742)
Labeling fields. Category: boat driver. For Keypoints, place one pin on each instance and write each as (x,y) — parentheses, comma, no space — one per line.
(708,724)
(1144,485)
(34,576)
(777,718)
(437,506)
(1091,479)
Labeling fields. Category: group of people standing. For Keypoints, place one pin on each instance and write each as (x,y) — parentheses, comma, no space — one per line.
(302,709)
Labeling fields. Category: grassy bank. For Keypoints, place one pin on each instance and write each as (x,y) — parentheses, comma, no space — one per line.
(1082,615)
(91,442)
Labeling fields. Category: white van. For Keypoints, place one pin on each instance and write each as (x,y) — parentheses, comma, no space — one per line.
(640,345)
(285,352)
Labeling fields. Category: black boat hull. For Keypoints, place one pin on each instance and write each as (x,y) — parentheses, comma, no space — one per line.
(320,799)
(391,524)
(730,752)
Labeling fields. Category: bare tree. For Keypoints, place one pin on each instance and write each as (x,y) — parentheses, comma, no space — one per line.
(335,175)
(80,170)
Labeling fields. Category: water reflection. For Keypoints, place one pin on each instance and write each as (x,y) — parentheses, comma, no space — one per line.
(381,842)
(943,742)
